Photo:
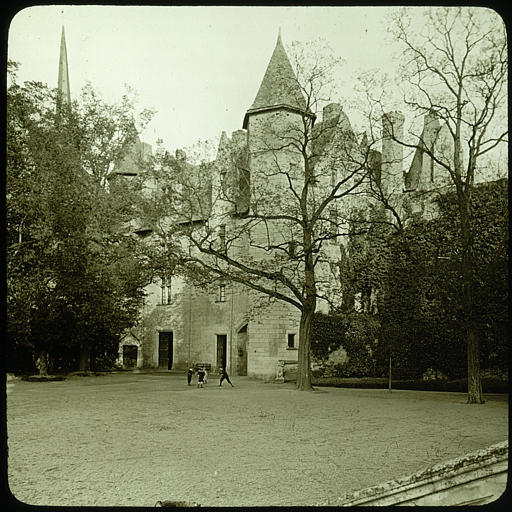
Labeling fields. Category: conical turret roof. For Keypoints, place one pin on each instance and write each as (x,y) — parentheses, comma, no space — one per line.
(279,87)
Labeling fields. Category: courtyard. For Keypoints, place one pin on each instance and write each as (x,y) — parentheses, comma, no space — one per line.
(131,439)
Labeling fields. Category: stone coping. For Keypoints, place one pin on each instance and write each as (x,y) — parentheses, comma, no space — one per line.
(463,468)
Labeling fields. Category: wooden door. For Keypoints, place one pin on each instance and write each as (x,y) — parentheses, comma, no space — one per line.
(165,350)
(222,342)
(129,356)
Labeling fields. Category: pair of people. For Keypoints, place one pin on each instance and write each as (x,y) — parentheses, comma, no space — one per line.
(202,376)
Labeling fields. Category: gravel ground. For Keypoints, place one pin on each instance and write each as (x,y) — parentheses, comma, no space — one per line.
(129,439)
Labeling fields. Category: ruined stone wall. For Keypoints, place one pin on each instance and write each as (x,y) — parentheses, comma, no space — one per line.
(392,177)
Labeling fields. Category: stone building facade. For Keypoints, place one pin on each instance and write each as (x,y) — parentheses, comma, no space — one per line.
(227,324)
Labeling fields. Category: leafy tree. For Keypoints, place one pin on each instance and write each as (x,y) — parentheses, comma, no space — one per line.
(74,282)
(419,304)
(489,219)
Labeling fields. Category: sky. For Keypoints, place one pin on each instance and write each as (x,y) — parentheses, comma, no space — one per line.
(199,67)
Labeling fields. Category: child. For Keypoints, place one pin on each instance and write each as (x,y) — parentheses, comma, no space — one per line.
(200,377)
(189,375)
(205,376)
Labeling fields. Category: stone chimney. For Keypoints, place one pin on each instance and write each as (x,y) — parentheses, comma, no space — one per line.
(431,128)
(392,151)
(331,113)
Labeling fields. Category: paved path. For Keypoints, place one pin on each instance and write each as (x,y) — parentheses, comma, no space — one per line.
(132,439)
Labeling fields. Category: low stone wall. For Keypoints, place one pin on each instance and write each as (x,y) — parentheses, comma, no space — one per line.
(475,479)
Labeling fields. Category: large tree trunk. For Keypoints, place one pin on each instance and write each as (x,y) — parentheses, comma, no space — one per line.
(304,359)
(475,395)
(306,317)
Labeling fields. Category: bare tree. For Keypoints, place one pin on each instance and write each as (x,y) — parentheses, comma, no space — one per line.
(267,213)
(454,74)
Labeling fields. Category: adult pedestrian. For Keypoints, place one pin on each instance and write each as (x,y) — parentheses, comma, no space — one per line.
(224,376)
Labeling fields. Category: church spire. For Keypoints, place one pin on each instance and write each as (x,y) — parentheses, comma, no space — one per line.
(63,80)
(279,87)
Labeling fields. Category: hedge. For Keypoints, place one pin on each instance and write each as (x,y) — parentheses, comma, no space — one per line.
(489,385)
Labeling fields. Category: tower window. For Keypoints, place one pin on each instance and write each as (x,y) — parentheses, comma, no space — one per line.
(222,293)
(291,340)
(169,287)
(165,287)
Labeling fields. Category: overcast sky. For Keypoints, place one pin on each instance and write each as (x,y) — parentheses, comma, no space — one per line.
(199,67)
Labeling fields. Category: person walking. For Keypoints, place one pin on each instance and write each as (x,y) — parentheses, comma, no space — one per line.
(189,375)
(224,375)
(200,377)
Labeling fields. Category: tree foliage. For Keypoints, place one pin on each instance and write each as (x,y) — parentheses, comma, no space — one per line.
(419,306)
(417,315)
(354,333)
(74,282)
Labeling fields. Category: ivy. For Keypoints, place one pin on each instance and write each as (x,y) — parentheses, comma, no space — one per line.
(418,318)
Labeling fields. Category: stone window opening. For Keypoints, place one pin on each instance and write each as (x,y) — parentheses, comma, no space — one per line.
(165,288)
(291,340)
(222,293)
(333,222)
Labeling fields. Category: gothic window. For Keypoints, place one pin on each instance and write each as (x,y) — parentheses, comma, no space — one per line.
(163,295)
